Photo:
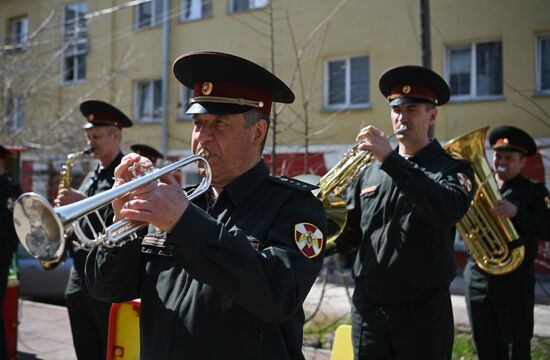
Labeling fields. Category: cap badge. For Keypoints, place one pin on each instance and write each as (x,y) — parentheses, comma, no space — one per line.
(506,141)
(406,89)
(207,88)
(91,117)
(309,239)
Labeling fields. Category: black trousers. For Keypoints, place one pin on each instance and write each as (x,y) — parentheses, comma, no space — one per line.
(502,328)
(89,320)
(422,330)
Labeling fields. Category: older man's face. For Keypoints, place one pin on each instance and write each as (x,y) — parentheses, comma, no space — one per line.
(232,148)
(104,141)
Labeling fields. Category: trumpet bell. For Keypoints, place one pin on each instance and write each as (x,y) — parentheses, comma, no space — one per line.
(39,230)
(40,227)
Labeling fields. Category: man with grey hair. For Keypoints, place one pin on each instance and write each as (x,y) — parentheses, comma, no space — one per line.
(89,317)
(231,268)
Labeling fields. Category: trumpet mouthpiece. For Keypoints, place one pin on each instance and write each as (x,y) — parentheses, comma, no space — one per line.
(204,153)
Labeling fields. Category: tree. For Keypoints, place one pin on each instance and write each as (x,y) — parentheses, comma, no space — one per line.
(36,112)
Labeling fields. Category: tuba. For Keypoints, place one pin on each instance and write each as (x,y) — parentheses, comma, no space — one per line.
(41,227)
(491,240)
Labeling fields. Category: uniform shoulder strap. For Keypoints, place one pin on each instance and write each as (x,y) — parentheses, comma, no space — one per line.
(293,183)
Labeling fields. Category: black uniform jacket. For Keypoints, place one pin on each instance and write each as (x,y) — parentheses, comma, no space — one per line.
(95,182)
(532,222)
(229,281)
(402,216)
(9,192)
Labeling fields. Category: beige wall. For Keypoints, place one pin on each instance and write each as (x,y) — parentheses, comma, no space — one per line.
(387,31)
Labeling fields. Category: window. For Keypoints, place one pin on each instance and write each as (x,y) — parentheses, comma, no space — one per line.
(18,34)
(543,64)
(475,71)
(347,82)
(185,95)
(73,67)
(148,100)
(243,5)
(15,119)
(195,9)
(148,14)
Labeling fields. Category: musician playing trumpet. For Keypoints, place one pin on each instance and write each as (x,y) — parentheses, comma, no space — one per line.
(401,217)
(500,307)
(88,316)
(222,276)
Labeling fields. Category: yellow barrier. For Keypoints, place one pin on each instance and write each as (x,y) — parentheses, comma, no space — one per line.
(123,338)
(342,348)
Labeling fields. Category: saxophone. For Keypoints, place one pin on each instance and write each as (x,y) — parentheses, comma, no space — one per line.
(65,175)
(65,179)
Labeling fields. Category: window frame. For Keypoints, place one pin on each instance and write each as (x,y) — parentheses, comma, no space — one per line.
(347,104)
(150,98)
(78,49)
(473,91)
(16,108)
(202,14)
(251,6)
(156,19)
(538,70)
(22,42)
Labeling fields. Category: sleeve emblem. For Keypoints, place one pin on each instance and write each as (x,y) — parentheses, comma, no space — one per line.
(309,239)
(464,181)
(547,201)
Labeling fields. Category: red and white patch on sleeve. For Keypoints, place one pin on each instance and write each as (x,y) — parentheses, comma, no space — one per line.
(309,239)
(464,181)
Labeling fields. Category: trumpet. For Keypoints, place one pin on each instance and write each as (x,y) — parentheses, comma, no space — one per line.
(41,227)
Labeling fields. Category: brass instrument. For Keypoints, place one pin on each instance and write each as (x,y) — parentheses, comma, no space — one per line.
(65,175)
(487,237)
(336,181)
(65,180)
(40,227)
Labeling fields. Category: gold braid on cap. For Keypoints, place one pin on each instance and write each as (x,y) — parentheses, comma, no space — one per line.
(226,100)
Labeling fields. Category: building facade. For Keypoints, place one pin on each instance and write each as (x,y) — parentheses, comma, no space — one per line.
(495,54)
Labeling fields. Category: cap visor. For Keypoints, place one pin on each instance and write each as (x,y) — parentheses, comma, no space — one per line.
(217,109)
(405,100)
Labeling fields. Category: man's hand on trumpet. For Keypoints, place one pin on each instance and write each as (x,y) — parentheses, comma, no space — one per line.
(160,203)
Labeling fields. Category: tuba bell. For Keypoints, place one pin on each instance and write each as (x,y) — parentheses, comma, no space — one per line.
(491,240)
